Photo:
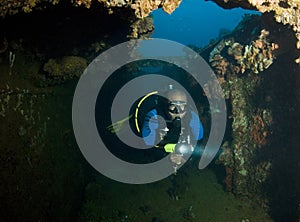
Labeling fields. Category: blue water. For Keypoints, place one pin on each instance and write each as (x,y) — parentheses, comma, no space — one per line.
(196,22)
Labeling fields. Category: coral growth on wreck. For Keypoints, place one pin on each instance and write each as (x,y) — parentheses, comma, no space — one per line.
(141,28)
(285,12)
(255,57)
(142,8)
(234,59)
(260,129)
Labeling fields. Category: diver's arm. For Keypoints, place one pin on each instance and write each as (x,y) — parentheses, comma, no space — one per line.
(149,133)
(196,127)
(149,128)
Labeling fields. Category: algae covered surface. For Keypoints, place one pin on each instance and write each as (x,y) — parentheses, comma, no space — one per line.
(42,172)
(191,195)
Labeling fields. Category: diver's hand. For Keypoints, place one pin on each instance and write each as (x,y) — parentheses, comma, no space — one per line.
(181,148)
(177,158)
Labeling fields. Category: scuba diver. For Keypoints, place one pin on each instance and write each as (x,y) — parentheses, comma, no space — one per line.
(173,126)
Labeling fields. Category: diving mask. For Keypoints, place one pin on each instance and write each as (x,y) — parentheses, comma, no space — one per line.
(177,107)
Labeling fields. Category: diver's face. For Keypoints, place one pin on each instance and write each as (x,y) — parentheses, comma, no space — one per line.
(177,105)
(176,109)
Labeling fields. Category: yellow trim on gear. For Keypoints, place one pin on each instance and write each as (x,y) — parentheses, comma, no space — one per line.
(137,109)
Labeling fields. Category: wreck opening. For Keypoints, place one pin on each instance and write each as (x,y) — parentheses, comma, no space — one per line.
(45,46)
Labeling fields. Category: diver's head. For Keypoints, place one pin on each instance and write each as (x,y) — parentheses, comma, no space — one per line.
(176,103)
